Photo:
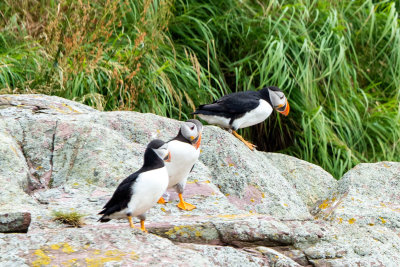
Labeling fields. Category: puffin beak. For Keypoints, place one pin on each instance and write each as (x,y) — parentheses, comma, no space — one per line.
(284,109)
(197,144)
(168,157)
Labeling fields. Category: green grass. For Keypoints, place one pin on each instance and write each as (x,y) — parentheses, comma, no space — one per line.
(72,218)
(337,62)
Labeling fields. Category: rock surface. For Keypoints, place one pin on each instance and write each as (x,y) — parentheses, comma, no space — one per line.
(253,208)
(16,222)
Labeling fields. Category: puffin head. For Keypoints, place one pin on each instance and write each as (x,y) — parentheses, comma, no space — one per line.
(278,99)
(191,131)
(160,148)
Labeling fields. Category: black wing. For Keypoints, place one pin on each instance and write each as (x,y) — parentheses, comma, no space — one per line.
(121,196)
(235,103)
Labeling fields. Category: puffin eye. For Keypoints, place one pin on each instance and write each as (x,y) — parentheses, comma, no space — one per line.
(192,128)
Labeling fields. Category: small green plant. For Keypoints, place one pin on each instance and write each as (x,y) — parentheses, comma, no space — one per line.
(72,218)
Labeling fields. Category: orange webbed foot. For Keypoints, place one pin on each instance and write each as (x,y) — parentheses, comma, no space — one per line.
(161,201)
(248,144)
(184,205)
(142,226)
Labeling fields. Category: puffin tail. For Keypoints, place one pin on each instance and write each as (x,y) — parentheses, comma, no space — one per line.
(102,219)
(199,110)
(106,212)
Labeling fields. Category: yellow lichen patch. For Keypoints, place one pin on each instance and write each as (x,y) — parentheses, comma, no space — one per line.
(162,209)
(58,109)
(207,181)
(97,262)
(228,216)
(109,255)
(55,246)
(71,262)
(134,255)
(227,194)
(340,220)
(231,165)
(252,200)
(352,220)
(262,195)
(114,253)
(385,165)
(333,199)
(371,224)
(39,167)
(70,108)
(382,220)
(324,204)
(67,248)
(383,204)
(184,230)
(284,204)
(42,258)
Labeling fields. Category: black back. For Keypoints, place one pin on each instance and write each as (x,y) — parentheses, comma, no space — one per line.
(236,104)
(123,193)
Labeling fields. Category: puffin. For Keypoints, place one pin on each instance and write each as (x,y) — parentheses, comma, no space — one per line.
(243,109)
(185,151)
(140,191)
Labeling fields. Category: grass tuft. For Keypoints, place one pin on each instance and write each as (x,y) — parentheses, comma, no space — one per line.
(70,218)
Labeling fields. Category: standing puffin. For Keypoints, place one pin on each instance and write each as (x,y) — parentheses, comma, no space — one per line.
(185,150)
(140,190)
(243,109)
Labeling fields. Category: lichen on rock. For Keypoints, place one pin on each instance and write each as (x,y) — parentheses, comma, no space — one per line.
(253,208)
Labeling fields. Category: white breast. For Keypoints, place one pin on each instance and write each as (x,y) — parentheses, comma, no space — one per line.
(216,120)
(183,157)
(254,116)
(147,190)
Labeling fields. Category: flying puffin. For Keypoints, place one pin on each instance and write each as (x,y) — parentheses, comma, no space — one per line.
(243,109)
(140,190)
(185,150)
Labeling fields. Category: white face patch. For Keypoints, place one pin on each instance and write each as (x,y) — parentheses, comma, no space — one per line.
(189,131)
(277,98)
(162,151)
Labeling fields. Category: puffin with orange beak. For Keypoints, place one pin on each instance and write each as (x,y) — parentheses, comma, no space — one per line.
(140,191)
(243,109)
(185,150)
